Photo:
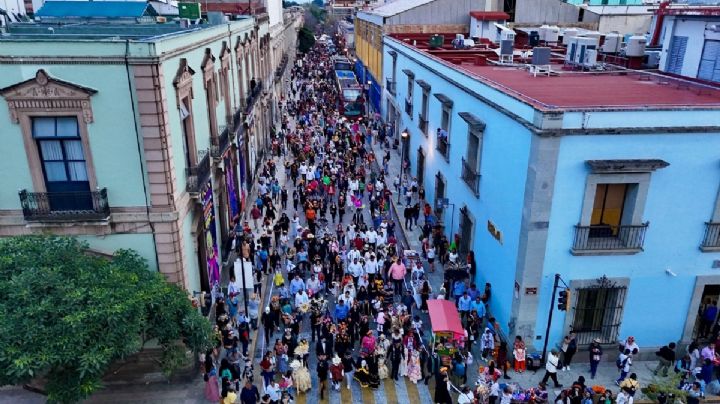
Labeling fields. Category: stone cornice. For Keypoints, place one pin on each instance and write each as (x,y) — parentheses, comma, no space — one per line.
(625,166)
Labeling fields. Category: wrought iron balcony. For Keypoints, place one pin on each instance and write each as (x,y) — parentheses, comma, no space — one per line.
(471,177)
(281,68)
(409,108)
(197,176)
(423,124)
(711,240)
(607,239)
(219,145)
(443,146)
(390,85)
(65,206)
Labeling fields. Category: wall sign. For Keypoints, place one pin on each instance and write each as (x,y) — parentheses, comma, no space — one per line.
(495,232)
(531,291)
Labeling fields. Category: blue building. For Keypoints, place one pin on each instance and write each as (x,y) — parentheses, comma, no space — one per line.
(608,179)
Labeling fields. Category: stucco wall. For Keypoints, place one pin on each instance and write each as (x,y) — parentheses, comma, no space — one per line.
(545,12)
(680,200)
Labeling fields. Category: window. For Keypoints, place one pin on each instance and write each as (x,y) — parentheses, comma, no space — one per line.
(61,150)
(443,132)
(471,162)
(409,99)
(612,214)
(598,313)
(423,118)
(420,166)
(711,238)
(710,61)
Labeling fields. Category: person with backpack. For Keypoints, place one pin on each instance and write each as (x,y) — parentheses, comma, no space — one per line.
(623,363)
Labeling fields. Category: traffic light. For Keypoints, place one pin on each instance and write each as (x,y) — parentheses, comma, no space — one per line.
(564,300)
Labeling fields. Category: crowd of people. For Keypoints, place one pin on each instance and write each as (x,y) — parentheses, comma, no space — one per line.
(325,238)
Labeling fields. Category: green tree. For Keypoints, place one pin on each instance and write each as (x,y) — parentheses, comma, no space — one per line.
(319,3)
(67,314)
(306,39)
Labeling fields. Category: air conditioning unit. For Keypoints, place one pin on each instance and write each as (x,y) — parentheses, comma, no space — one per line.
(577,50)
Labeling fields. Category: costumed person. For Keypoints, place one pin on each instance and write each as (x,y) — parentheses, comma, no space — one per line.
(337,372)
(442,388)
(301,376)
(404,363)
(413,369)
(362,374)
(303,351)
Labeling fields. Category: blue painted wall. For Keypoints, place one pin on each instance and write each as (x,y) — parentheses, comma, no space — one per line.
(505,153)
(681,198)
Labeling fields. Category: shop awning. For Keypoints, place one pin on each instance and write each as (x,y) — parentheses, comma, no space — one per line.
(445,318)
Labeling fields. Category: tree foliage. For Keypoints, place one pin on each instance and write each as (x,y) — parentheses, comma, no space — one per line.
(288,4)
(67,314)
(318,3)
(306,39)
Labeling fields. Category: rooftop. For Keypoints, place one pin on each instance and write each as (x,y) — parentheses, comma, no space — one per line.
(613,88)
(397,7)
(95,9)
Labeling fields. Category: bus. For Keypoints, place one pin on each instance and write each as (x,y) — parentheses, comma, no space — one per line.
(351,101)
(341,63)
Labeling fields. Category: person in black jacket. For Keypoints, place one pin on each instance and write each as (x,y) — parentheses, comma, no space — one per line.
(666,356)
(322,372)
(395,355)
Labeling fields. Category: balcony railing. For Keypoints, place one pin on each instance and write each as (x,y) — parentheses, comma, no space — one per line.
(409,108)
(423,124)
(219,145)
(197,176)
(712,235)
(443,146)
(281,68)
(390,85)
(471,177)
(619,239)
(65,206)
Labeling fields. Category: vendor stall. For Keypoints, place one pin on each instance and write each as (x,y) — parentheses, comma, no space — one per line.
(448,332)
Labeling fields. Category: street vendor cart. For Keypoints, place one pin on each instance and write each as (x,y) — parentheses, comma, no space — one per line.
(447,330)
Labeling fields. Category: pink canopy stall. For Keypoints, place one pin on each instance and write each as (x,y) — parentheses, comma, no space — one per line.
(445,320)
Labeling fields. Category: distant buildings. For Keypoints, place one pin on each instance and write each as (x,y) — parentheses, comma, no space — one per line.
(624,16)
(608,177)
(405,16)
(140,135)
(690,41)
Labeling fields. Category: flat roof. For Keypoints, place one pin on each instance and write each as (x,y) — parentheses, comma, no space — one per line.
(614,88)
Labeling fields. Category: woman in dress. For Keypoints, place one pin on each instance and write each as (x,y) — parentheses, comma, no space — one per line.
(425,292)
(403,370)
(301,376)
(212,390)
(442,392)
(413,368)
(362,374)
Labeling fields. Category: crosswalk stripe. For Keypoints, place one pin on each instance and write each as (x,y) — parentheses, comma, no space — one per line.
(401,390)
(380,394)
(367,395)
(390,392)
(356,392)
(345,394)
(301,398)
(424,392)
(412,391)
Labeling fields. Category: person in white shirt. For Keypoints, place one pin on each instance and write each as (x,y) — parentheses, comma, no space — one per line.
(313,284)
(355,269)
(371,238)
(371,266)
(551,369)
(466,396)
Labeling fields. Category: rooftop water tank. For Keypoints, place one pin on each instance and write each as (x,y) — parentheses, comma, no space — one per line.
(552,34)
(612,43)
(543,31)
(436,41)
(636,46)
(568,34)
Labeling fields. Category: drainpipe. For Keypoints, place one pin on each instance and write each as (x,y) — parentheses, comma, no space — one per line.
(659,22)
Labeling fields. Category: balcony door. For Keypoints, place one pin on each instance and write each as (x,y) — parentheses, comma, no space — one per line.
(608,209)
(63,162)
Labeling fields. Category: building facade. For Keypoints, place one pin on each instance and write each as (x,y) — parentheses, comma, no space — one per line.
(405,16)
(610,181)
(137,136)
(674,30)
(283,42)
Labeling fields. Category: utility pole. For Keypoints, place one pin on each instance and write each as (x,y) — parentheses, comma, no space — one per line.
(550,316)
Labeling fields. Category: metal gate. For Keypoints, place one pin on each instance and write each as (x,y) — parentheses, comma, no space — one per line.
(466,231)
(710,61)
(439,194)
(676,56)
(598,312)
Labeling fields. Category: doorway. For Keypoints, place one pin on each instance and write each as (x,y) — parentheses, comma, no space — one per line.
(421,166)
(201,253)
(706,321)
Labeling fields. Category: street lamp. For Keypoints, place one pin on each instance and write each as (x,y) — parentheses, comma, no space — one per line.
(403,138)
(369,83)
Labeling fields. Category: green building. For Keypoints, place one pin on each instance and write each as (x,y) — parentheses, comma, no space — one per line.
(134,135)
